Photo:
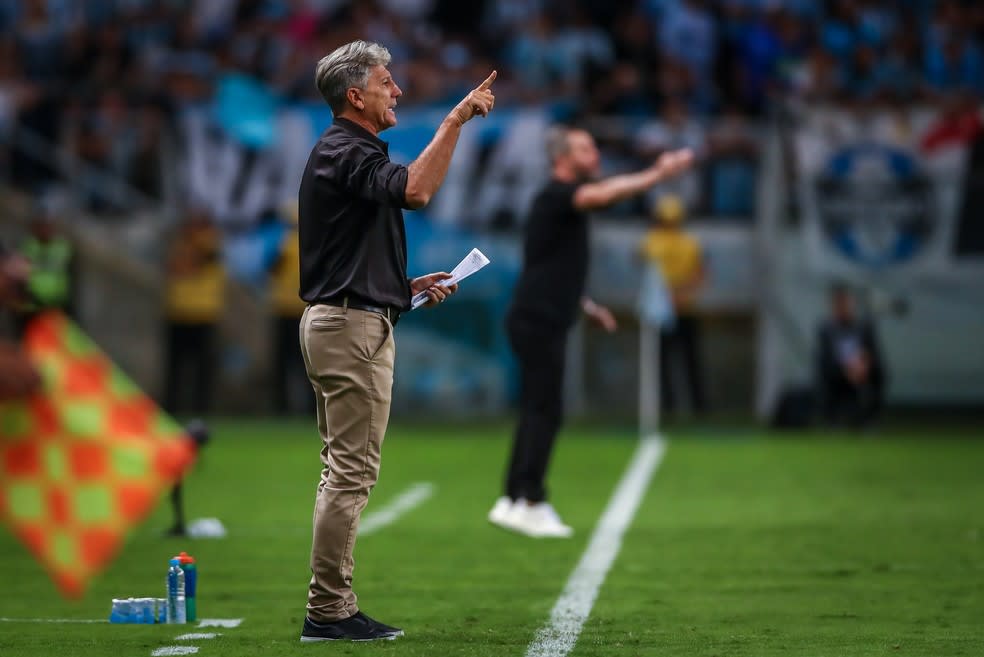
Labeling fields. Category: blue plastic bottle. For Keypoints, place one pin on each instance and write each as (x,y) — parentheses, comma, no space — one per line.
(120,611)
(175,593)
(147,611)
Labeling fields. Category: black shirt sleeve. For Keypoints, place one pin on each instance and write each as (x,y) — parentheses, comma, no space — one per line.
(365,173)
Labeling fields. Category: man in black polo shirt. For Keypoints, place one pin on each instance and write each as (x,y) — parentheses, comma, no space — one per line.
(546,305)
(353,260)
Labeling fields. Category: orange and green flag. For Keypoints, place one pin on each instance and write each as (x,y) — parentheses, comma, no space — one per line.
(85,459)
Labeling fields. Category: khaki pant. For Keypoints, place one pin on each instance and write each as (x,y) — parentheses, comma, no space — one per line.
(348,355)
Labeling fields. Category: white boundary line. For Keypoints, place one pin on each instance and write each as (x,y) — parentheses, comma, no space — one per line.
(558,636)
(406,501)
(220,622)
(53,620)
(197,636)
(168,651)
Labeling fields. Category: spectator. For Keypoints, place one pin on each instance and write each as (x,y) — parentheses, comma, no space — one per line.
(898,70)
(195,293)
(16,93)
(759,47)
(732,154)
(688,34)
(839,33)
(676,129)
(634,79)
(621,92)
(850,369)
(103,141)
(866,73)
(40,42)
(955,65)
(819,78)
(537,59)
(876,23)
(587,46)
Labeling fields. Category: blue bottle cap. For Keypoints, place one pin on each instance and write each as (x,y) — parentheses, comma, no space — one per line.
(175,562)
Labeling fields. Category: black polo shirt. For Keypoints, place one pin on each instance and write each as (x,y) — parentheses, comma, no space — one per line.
(350,220)
(555,261)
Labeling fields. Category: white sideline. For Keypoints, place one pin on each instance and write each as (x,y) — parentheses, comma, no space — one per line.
(403,503)
(220,622)
(167,651)
(196,636)
(558,636)
(53,620)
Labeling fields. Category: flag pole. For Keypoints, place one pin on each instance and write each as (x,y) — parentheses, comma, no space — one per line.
(649,379)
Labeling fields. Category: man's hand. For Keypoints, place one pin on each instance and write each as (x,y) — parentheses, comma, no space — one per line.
(857,369)
(600,315)
(436,292)
(479,100)
(673,163)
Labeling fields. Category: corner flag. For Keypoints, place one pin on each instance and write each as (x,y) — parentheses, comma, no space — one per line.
(85,459)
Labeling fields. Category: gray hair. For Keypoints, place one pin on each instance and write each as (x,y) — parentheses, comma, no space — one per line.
(346,67)
(557,142)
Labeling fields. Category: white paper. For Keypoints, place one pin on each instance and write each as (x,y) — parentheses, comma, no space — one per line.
(468,266)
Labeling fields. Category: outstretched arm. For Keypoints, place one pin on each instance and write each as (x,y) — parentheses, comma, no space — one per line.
(426,173)
(607,192)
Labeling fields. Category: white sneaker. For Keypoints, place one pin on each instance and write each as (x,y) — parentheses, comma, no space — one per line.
(500,511)
(537,520)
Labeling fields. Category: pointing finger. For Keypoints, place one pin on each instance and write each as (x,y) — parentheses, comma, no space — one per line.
(488,81)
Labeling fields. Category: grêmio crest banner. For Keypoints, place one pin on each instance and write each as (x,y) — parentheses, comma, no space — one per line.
(880,192)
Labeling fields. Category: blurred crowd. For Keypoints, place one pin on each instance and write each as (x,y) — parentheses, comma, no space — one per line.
(104,78)
(105,85)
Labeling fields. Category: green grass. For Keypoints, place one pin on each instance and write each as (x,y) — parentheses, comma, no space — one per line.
(744,545)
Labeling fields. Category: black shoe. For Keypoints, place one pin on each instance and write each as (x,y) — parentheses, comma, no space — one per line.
(395,631)
(354,628)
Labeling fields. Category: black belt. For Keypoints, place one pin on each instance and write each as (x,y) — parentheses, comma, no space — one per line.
(392,313)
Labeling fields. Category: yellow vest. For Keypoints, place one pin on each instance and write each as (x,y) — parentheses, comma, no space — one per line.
(49,282)
(286,279)
(678,256)
(197,296)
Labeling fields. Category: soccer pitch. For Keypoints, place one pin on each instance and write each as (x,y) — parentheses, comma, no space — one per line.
(748,544)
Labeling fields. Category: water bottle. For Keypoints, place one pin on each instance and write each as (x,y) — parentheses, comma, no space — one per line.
(146,610)
(121,611)
(161,604)
(175,593)
(191,583)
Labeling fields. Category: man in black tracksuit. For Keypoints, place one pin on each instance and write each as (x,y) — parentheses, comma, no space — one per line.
(548,301)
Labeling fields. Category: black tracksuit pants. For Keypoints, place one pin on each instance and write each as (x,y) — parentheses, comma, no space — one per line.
(541,354)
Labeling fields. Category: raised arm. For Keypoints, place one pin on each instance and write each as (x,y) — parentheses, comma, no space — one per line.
(607,192)
(427,172)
